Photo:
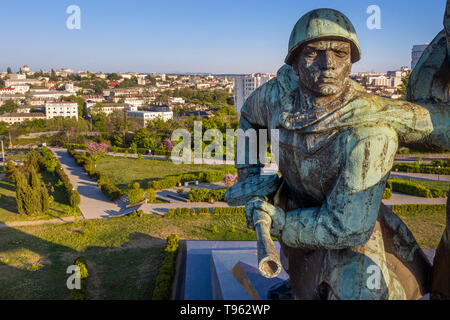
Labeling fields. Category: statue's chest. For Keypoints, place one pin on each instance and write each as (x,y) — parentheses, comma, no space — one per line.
(311,163)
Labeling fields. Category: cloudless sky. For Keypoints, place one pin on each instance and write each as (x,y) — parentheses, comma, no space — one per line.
(216,36)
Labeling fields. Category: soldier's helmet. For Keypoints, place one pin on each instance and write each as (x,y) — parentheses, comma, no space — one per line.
(323,23)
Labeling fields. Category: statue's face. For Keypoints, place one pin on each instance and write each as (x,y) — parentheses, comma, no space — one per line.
(323,66)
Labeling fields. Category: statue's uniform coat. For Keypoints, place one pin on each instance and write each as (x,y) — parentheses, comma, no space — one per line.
(335,162)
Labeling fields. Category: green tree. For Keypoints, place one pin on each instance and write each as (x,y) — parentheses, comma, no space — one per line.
(404,84)
(9,106)
(114,77)
(53,76)
(3,126)
(9,71)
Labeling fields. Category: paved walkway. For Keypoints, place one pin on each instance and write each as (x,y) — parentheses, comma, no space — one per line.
(421,176)
(94,204)
(400,198)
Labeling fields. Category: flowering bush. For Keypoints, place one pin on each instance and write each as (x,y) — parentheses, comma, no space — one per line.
(230,179)
(97,150)
(168,144)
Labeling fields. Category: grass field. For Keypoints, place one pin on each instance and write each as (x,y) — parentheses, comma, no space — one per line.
(8,208)
(123,171)
(123,254)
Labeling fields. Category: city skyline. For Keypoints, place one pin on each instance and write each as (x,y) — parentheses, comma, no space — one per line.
(198,37)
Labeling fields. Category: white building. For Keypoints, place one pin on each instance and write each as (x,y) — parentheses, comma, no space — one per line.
(15,118)
(17,76)
(4,91)
(245,85)
(176,100)
(21,88)
(69,87)
(61,109)
(135,102)
(416,53)
(50,95)
(145,116)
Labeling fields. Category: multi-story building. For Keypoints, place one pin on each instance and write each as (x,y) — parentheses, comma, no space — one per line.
(244,85)
(61,109)
(21,88)
(416,53)
(176,100)
(108,108)
(163,113)
(8,91)
(15,118)
(50,95)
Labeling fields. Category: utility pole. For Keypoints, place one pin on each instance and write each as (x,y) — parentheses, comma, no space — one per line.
(10,142)
(3,155)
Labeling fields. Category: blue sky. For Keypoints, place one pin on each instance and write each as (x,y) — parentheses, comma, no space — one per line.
(233,36)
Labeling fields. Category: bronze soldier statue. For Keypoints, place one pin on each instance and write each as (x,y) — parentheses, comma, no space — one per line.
(336,147)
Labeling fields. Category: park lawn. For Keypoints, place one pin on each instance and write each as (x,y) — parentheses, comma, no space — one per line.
(123,253)
(124,171)
(427,228)
(8,208)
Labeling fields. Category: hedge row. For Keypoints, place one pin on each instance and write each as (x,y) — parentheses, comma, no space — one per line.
(416,168)
(205,211)
(172,181)
(72,194)
(80,294)
(410,188)
(415,209)
(160,152)
(163,283)
(198,195)
(110,190)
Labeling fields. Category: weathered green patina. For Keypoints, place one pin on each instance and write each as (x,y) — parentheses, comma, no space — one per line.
(336,146)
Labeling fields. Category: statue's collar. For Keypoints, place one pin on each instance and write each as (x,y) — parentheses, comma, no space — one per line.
(295,115)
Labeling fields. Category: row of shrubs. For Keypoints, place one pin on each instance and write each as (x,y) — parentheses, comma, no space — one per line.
(415,209)
(172,181)
(109,189)
(205,211)
(415,189)
(80,294)
(199,195)
(50,163)
(161,152)
(417,168)
(164,280)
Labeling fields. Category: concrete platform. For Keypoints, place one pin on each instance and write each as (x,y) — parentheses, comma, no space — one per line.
(227,270)
(208,271)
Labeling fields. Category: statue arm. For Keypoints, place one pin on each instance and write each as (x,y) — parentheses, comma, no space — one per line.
(348,215)
(423,127)
(427,126)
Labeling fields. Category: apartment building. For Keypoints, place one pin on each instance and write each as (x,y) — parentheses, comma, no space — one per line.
(61,109)
(244,86)
(16,118)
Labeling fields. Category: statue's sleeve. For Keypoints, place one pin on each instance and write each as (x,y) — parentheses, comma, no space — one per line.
(349,213)
(425,127)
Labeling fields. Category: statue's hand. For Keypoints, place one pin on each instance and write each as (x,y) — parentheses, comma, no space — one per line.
(276,217)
